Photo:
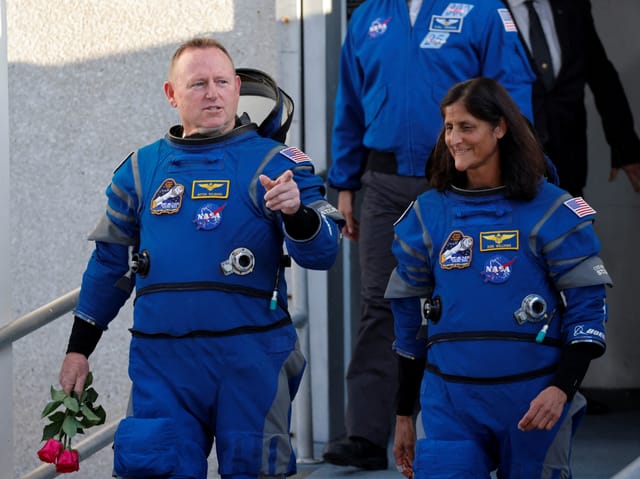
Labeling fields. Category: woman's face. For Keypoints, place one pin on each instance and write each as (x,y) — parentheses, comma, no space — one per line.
(473,144)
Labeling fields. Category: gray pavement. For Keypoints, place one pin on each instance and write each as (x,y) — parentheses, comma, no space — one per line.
(605,444)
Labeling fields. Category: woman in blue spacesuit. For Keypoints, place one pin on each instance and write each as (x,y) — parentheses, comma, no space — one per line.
(498,300)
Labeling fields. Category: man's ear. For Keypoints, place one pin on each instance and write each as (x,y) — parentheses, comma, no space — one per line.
(169,93)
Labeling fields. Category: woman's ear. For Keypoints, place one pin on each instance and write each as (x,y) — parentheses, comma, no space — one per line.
(501,128)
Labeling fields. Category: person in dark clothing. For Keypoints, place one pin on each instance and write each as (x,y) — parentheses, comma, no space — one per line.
(578,59)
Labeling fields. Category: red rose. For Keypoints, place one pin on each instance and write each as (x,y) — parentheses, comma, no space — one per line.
(68,461)
(50,451)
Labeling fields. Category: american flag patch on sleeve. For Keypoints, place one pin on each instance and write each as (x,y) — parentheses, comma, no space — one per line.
(579,206)
(295,154)
(507,20)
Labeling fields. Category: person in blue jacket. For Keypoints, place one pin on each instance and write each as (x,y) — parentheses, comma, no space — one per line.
(499,301)
(396,64)
(197,222)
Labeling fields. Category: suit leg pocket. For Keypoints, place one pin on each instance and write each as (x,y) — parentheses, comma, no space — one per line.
(145,447)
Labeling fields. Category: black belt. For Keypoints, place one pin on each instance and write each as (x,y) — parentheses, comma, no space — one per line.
(455,378)
(382,162)
(213,334)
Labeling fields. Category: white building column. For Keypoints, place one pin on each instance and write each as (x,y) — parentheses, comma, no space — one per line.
(6,363)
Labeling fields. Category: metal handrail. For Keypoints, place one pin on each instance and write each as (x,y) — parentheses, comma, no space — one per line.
(42,316)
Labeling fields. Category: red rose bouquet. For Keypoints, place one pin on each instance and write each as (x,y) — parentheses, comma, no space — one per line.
(79,413)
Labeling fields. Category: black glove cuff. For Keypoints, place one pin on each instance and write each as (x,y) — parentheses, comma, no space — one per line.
(410,372)
(303,224)
(573,367)
(84,337)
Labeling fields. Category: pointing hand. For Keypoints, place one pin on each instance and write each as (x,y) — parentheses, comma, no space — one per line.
(282,193)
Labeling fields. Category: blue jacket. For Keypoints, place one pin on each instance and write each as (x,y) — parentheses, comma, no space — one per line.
(393,77)
(190,205)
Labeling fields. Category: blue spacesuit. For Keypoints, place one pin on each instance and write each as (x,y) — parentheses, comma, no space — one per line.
(213,352)
(505,286)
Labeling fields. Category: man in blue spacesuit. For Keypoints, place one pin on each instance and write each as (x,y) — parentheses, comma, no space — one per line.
(498,300)
(396,64)
(197,222)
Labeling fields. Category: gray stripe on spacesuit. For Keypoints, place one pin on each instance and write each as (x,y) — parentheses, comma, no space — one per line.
(325,208)
(415,273)
(135,170)
(410,251)
(120,216)
(276,424)
(538,226)
(120,193)
(253,186)
(108,232)
(558,241)
(589,272)
(426,237)
(397,288)
(558,455)
(418,275)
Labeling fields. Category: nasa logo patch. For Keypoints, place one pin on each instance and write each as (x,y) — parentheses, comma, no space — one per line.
(497,269)
(208,217)
(378,27)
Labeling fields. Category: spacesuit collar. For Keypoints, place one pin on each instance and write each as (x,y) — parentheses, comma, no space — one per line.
(478,192)
(242,126)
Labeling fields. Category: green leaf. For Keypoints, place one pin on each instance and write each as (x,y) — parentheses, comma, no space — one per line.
(50,407)
(70,426)
(89,415)
(89,380)
(50,431)
(101,413)
(57,394)
(58,417)
(89,396)
(71,404)
(85,423)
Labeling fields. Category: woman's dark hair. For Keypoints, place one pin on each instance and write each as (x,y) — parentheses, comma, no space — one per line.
(522,159)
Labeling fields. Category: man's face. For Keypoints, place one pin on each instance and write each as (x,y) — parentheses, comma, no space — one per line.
(204,88)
